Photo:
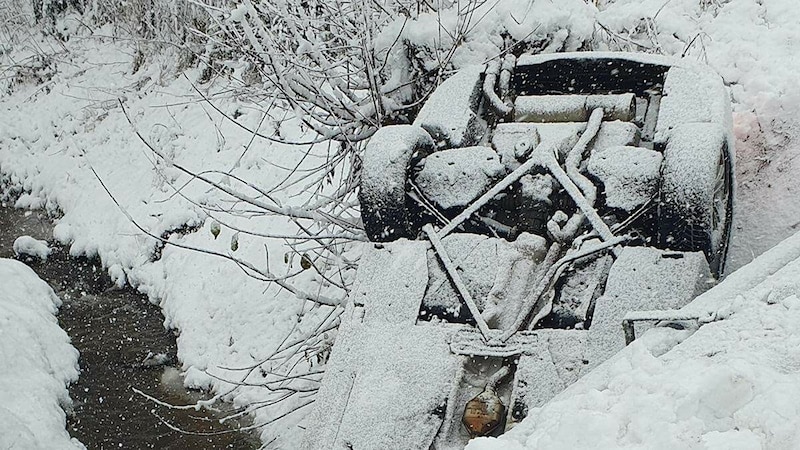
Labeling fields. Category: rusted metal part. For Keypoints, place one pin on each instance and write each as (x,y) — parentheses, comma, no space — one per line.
(484,413)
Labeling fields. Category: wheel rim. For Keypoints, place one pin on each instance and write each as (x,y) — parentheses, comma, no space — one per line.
(720,214)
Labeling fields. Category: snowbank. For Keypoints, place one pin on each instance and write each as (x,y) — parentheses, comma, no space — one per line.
(37,363)
(734,384)
(54,141)
(28,246)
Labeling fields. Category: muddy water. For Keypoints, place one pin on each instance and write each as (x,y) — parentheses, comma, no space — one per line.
(115,330)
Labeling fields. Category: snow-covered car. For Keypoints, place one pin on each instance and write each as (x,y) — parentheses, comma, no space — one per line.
(531,207)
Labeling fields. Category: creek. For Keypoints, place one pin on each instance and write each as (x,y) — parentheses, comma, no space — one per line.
(115,330)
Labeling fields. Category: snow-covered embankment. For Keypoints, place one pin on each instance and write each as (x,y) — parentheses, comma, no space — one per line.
(37,362)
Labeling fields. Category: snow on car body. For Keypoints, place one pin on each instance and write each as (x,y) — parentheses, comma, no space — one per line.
(529,208)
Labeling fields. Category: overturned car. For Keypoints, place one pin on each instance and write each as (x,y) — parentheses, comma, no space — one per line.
(532,206)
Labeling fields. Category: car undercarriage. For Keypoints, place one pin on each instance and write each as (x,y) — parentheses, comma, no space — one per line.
(534,207)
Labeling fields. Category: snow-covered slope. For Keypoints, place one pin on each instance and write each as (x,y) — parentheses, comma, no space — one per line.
(58,142)
(37,363)
(733,384)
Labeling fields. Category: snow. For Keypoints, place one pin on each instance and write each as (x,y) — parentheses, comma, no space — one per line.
(734,383)
(768,278)
(52,141)
(630,175)
(515,276)
(691,96)
(572,108)
(643,278)
(616,134)
(691,166)
(455,177)
(383,179)
(449,114)
(386,373)
(28,246)
(391,398)
(639,57)
(537,373)
(561,135)
(50,138)
(750,44)
(387,156)
(495,271)
(392,282)
(513,142)
(550,108)
(38,363)
(477,258)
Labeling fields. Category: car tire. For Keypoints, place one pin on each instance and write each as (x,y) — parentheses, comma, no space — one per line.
(384,173)
(696,196)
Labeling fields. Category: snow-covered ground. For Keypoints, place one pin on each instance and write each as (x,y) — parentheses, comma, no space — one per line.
(54,139)
(55,136)
(38,362)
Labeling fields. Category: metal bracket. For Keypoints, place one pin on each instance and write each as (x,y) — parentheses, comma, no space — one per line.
(450,268)
(632,317)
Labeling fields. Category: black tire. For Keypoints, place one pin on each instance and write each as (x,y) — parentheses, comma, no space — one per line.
(384,173)
(696,204)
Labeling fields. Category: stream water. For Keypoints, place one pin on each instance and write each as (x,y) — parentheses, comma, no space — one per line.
(115,330)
